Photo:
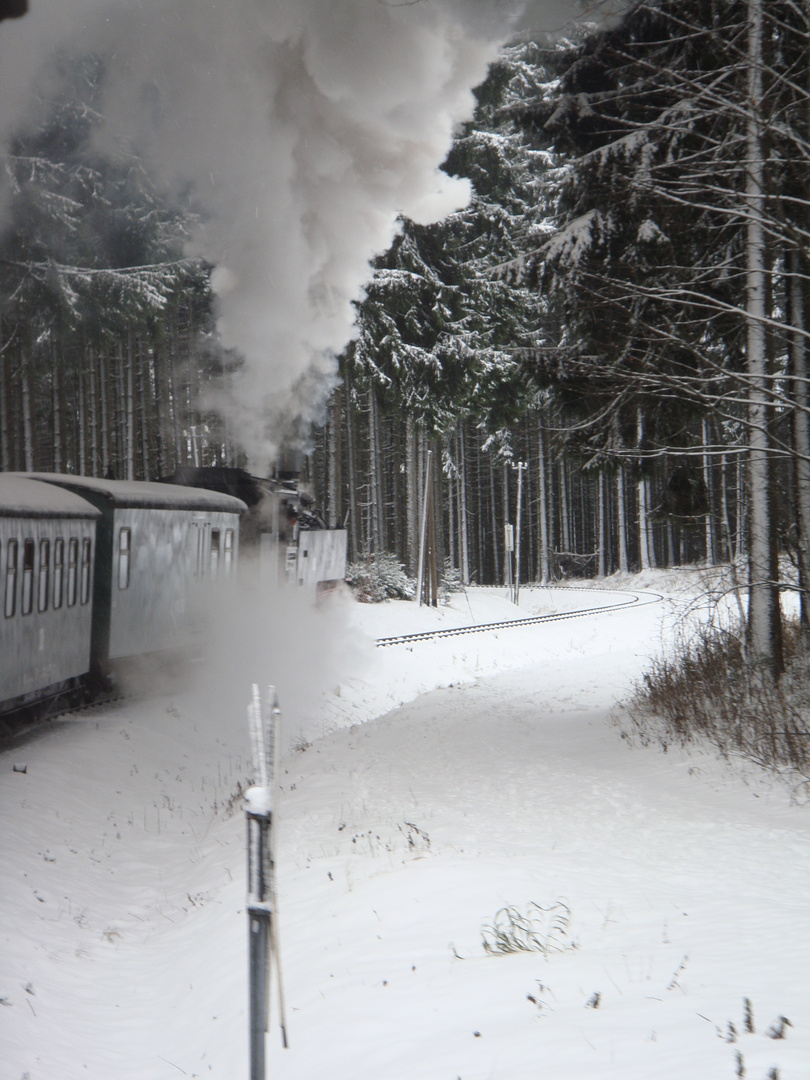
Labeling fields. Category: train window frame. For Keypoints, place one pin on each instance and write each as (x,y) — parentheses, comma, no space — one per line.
(124,557)
(43,574)
(228,552)
(213,553)
(58,571)
(199,564)
(27,590)
(12,556)
(73,570)
(86,564)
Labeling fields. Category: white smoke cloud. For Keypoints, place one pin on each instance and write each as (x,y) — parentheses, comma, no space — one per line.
(301,128)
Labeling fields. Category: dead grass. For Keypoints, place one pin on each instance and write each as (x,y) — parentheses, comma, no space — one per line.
(706,691)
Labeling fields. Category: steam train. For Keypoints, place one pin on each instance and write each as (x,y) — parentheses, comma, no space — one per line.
(281,527)
(95,573)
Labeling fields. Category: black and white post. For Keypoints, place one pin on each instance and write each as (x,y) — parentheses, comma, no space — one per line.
(264,719)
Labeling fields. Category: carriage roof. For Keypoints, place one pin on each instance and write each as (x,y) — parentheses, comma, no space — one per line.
(24,497)
(144,494)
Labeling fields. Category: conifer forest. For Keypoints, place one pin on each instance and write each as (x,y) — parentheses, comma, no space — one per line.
(606,349)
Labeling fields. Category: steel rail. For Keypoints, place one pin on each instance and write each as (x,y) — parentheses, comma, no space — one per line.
(533,620)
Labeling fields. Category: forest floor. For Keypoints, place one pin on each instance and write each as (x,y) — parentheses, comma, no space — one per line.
(424,789)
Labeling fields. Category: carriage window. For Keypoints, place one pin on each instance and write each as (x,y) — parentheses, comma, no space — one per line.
(200,567)
(27,601)
(44,574)
(228,552)
(58,570)
(11,578)
(85,590)
(73,562)
(124,546)
(214,553)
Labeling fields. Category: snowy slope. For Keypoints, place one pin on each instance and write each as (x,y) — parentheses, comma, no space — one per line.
(122,947)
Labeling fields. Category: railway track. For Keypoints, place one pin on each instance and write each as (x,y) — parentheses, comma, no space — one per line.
(635,599)
(16,727)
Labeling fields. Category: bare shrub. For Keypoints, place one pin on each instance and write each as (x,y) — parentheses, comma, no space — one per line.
(538,929)
(707,690)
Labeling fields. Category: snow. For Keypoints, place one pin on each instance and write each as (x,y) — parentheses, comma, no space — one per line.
(144,493)
(21,497)
(258,801)
(426,787)
(575,241)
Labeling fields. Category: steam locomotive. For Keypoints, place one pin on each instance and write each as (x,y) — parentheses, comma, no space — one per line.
(281,528)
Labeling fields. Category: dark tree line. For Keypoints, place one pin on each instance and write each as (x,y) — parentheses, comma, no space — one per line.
(615,325)
(106,331)
(661,273)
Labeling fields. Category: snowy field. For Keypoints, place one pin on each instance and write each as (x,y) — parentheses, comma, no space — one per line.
(424,788)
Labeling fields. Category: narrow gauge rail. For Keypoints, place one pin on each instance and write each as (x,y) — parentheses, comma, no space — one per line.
(478,628)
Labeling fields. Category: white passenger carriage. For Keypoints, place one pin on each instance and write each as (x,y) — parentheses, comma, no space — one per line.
(47,555)
(158,547)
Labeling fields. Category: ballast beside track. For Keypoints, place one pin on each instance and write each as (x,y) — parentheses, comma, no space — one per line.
(479,628)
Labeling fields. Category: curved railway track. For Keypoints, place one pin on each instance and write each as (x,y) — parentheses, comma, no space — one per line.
(635,599)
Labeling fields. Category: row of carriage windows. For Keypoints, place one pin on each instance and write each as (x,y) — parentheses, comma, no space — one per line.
(34,578)
(220,548)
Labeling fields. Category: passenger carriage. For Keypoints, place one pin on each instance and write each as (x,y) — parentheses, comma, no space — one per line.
(47,556)
(158,546)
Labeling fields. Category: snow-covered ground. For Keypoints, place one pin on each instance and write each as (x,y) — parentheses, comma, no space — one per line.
(424,788)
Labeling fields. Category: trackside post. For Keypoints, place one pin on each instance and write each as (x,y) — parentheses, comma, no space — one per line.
(264,720)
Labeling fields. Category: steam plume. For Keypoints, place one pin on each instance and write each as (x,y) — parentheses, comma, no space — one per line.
(302,128)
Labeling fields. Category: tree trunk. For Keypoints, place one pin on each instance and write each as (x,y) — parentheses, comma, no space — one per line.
(800,429)
(56,401)
(354,535)
(436,539)
(730,553)
(334,466)
(81,417)
(452,453)
(28,427)
(145,398)
(764,615)
(375,482)
(103,383)
(642,491)
(601,541)
(544,562)
(175,423)
(411,496)
(494,519)
(5,460)
(462,506)
(708,521)
(621,523)
(507,555)
(565,529)
(129,444)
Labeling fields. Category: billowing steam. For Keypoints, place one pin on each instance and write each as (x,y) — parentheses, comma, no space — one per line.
(300,128)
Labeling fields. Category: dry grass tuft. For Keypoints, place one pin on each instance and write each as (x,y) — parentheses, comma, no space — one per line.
(706,691)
